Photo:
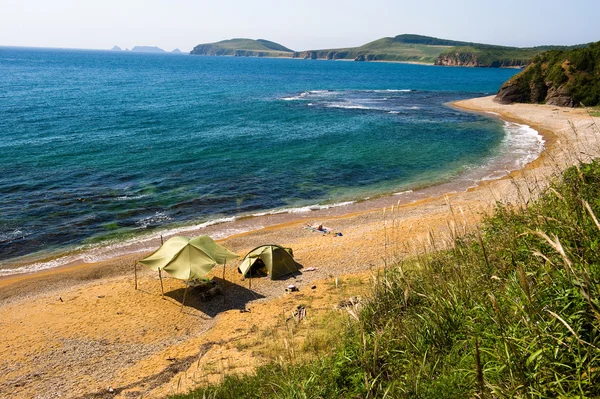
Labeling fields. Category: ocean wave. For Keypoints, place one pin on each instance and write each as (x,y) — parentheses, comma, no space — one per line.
(130,197)
(521,145)
(303,209)
(403,192)
(348,106)
(154,220)
(316,94)
(525,141)
(303,95)
(99,252)
(392,91)
(13,235)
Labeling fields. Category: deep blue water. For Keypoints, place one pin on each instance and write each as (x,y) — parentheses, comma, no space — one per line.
(102,145)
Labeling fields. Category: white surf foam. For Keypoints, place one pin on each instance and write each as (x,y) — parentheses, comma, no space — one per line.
(303,209)
(347,106)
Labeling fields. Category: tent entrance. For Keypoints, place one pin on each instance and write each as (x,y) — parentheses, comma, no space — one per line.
(257,269)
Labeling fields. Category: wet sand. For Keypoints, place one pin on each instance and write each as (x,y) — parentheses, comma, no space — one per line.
(77,330)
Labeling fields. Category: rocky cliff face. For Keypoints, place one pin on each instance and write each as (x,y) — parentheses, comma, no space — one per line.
(457,59)
(321,55)
(523,90)
(567,78)
(336,55)
(469,59)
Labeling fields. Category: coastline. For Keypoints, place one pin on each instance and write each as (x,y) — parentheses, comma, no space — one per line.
(92,295)
(496,166)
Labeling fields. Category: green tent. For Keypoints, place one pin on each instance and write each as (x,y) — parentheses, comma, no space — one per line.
(277,260)
(188,259)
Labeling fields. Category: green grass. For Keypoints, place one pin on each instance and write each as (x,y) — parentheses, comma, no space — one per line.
(511,309)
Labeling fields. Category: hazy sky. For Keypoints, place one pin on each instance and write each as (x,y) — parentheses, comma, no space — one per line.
(298,24)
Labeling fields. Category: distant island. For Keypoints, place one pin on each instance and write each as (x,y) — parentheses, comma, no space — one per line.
(147,49)
(568,78)
(243,48)
(401,48)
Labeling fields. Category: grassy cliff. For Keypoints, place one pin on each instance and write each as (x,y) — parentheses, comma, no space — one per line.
(431,50)
(512,309)
(243,47)
(487,56)
(401,48)
(408,48)
(558,77)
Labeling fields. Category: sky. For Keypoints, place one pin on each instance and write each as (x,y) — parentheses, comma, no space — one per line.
(297,24)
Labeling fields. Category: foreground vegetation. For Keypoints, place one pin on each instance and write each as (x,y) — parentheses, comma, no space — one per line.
(511,309)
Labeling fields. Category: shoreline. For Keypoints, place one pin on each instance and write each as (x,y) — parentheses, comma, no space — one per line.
(91,317)
(222,228)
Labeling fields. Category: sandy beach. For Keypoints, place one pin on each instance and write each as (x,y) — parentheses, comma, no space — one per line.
(83,331)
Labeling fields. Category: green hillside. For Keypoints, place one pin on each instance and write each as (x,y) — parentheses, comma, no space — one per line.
(243,47)
(401,48)
(558,77)
(408,48)
(431,50)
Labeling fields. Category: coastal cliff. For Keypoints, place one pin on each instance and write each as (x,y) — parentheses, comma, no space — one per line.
(567,78)
(401,48)
(487,56)
(472,59)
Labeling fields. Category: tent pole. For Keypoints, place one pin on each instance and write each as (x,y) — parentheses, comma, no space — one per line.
(162,288)
(135,274)
(187,285)
(184,295)
(224,264)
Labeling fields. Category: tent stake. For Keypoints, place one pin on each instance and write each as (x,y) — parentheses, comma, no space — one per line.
(184,294)
(162,288)
(135,274)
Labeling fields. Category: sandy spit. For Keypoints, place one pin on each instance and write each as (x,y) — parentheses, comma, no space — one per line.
(85,332)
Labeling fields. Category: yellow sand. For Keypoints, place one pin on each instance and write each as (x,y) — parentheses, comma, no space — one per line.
(78,331)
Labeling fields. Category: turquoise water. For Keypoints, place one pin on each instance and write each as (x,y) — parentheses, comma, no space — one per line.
(100,146)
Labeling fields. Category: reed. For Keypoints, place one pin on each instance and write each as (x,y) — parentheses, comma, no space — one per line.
(506,308)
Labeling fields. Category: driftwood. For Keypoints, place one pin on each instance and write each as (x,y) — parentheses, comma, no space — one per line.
(298,315)
(350,303)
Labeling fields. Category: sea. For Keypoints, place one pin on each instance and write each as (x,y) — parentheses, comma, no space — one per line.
(102,152)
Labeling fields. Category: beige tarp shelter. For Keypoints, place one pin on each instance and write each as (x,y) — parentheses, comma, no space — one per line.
(277,260)
(188,258)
